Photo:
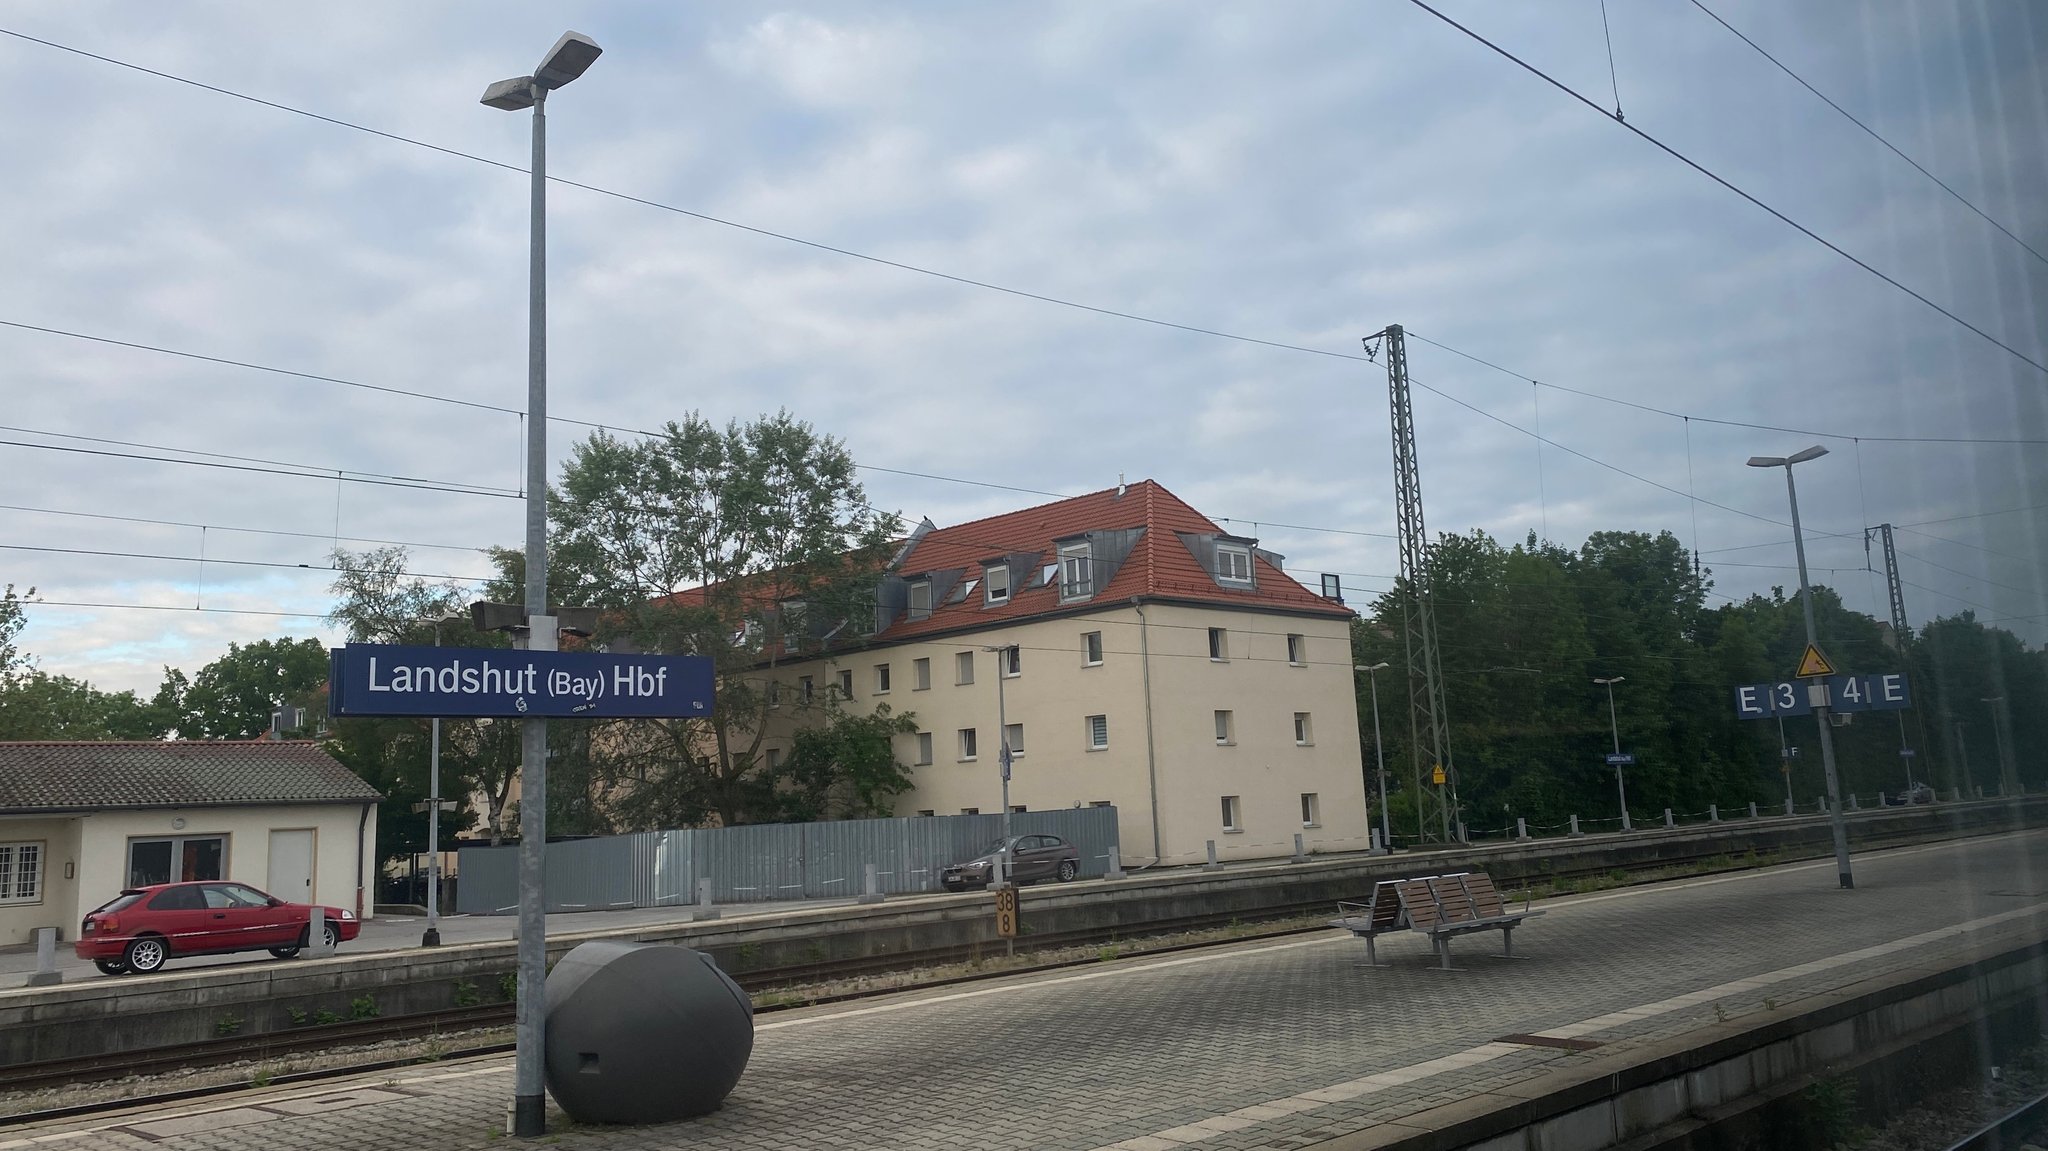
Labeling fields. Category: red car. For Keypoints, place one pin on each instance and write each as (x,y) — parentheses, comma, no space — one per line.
(144,927)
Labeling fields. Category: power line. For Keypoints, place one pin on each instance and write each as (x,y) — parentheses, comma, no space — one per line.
(1709,174)
(1968,575)
(1965,544)
(237,530)
(1654,410)
(1960,198)
(1972,516)
(98,606)
(203,560)
(337,476)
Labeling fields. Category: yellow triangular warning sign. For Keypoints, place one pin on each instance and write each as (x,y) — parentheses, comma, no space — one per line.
(1814,663)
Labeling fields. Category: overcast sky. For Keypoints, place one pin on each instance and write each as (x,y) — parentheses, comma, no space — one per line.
(1302,173)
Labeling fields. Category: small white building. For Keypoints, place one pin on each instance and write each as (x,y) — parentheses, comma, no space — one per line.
(81,821)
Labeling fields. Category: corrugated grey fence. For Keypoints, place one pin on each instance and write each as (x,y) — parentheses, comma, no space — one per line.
(766,861)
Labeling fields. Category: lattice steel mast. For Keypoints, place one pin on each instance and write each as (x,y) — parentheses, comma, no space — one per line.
(1428,721)
(1902,634)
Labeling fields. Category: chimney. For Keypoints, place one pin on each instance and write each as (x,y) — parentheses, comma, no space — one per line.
(1120,489)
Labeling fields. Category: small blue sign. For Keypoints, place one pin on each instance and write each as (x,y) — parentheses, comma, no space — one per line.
(1621,759)
(1764,700)
(391,679)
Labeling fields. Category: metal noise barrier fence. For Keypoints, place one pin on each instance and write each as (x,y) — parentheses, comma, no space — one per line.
(759,862)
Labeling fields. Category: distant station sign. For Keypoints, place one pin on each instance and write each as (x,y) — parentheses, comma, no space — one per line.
(392,679)
(1621,759)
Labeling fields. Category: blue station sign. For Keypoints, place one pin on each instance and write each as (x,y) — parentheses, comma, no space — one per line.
(457,682)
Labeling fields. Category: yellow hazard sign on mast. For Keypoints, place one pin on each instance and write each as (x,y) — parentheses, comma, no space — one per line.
(1814,663)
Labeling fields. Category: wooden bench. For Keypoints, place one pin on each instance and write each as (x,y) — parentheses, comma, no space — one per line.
(1439,906)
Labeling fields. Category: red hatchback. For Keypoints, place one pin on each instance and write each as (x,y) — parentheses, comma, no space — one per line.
(144,927)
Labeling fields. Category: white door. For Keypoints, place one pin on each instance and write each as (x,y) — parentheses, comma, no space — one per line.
(291,865)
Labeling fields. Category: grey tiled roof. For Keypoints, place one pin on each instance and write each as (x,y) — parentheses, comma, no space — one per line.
(72,776)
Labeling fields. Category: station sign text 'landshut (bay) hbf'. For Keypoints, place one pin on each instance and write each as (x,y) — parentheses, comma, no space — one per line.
(392,679)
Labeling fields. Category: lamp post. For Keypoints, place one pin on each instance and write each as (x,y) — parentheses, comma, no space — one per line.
(2008,771)
(1614,724)
(1827,739)
(567,60)
(1003,656)
(432,936)
(1379,753)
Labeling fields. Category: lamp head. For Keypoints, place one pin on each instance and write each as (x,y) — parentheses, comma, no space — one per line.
(510,95)
(1767,461)
(1813,453)
(568,59)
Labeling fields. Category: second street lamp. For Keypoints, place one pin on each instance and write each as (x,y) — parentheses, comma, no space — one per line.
(571,54)
(1827,739)
(1379,755)
(1615,725)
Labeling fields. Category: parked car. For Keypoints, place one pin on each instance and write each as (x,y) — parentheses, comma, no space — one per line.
(1915,793)
(1032,858)
(144,927)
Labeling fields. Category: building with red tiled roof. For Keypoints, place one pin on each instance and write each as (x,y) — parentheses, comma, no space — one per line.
(79,821)
(1133,654)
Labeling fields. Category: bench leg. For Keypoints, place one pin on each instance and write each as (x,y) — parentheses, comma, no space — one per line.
(1507,940)
(1372,956)
(1443,950)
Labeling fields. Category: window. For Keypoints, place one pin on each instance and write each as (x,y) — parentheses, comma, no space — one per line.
(967,744)
(774,758)
(846,683)
(1219,644)
(1098,732)
(881,679)
(921,675)
(1013,735)
(21,872)
(963,668)
(1297,649)
(996,589)
(1234,564)
(1018,809)
(1230,814)
(1011,660)
(804,689)
(1304,734)
(176,860)
(793,625)
(774,693)
(1333,587)
(921,599)
(1091,649)
(970,811)
(1311,810)
(1100,803)
(1075,582)
(924,748)
(926,811)
(1224,733)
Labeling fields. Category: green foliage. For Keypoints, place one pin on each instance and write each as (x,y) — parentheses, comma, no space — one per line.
(226,1025)
(297,1016)
(508,985)
(846,768)
(466,994)
(325,1017)
(234,696)
(261,1078)
(362,1007)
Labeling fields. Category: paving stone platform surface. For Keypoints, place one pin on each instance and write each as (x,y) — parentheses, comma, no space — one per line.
(1259,1046)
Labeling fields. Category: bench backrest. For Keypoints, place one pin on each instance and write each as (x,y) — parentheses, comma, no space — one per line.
(1452,898)
(1419,903)
(1485,897)
(1386,905)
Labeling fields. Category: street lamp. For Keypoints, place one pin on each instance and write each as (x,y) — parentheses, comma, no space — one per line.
(1379,752)
(1003,656)
(567,60)
(1827,739)
(432,936)
(1619,784)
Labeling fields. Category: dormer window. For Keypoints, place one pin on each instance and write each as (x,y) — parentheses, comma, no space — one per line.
(1234,564)
(1076,577)
(921,599)
(997,585)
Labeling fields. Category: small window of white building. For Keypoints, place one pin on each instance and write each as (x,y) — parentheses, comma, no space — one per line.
(21,872)
(1234,564)
(846,683)
(924,749)
(1297,649)
(1091,649)
(881,679)
(1304,731)
(1013,734)
(1225,729)
(1098,732)
(921,674)
(996,589)
(921,599)
(1231,814)
(1219,644)
(963,668)
(1076,581)
(967,744)
(1011,660)
(1311,810)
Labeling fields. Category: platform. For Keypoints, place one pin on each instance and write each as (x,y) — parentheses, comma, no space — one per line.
(1273,1045)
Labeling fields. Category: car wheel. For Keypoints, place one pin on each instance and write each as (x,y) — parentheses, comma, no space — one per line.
(146,954)
(332,933)
(110,966)
(1068,870)
(284,952)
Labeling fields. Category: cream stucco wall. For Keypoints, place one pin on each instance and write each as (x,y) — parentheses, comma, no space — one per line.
(93,848)
(1056,691)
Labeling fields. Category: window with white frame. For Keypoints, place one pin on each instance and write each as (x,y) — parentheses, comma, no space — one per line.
(774,693)
(967,744)
(926,811)
(1219,644)
(995,586)
(21,872)
(963,668)
(1013,734)
(1232,814)
(924,749)
(1100,803)
(774,758)
(805,690)
(970,811)
(1304,731)
(1311,810)
(1075,574)
(881,679)
(921,599)
(1091,649)
(921,674)
(846,683)
(1011,660)
(1098,732)
(1226,732)
(1297,649)
(1234,564)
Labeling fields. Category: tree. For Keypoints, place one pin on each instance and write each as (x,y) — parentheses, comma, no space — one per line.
(745,545)
(14,662)
(233,696)
(39,705)
(846,768)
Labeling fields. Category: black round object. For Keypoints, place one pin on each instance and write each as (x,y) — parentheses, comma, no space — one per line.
(643,1033)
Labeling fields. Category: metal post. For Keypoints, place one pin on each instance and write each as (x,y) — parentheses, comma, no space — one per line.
(46,973)
(1785,764)
(1213,865)
(1003,736)
(1521,827)
(1827,739)
(529,1092)
(432,937)
(1116,863)
(871,889)
(1667,818)
(1620,784)
(2008,769)
(316,934)
(704,910)
(1575,825)
(1300,855)
(1379,754)
(1713,813)
(1752,809)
